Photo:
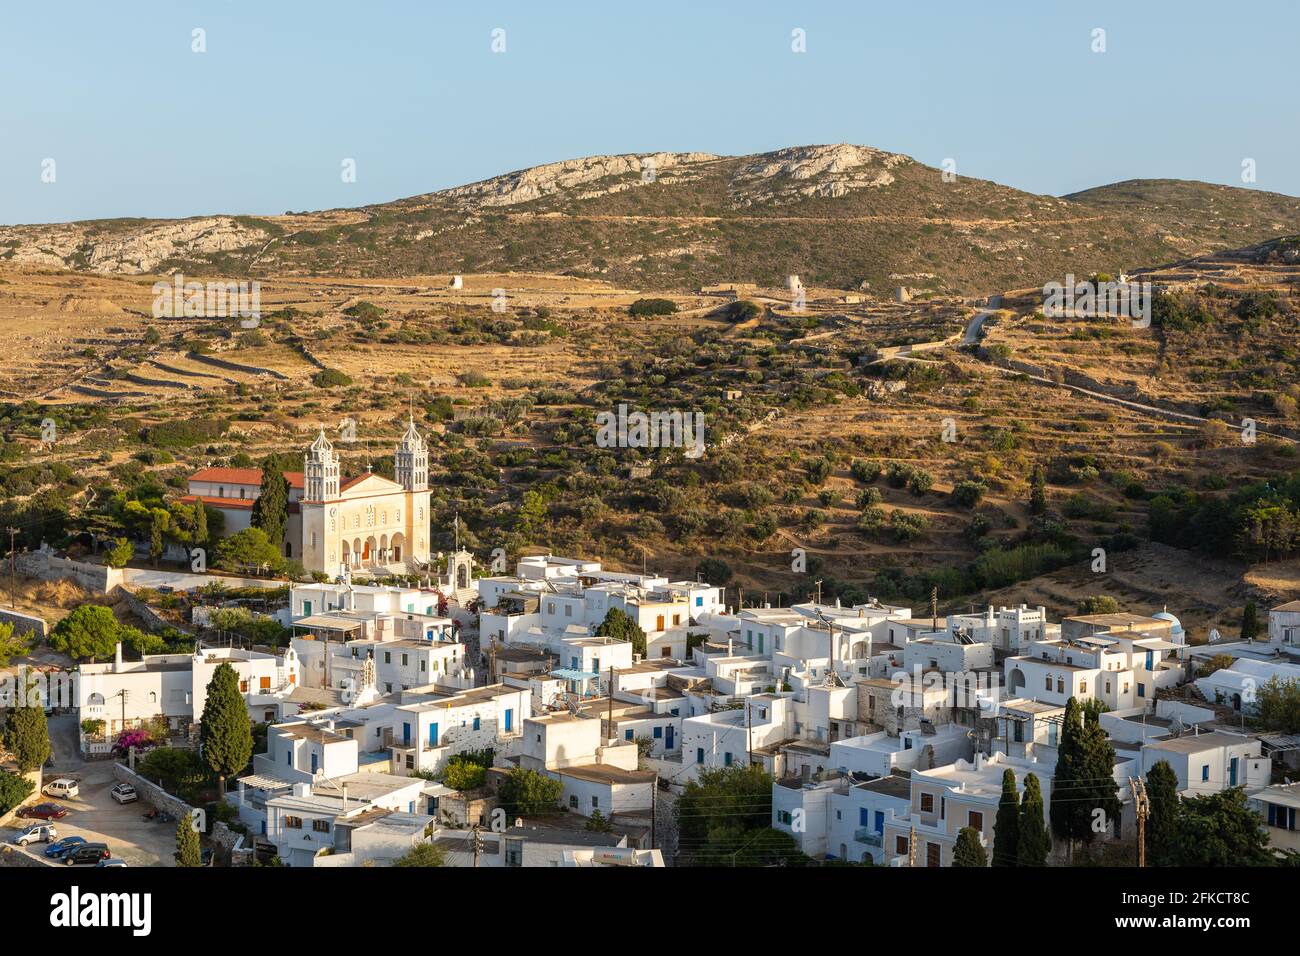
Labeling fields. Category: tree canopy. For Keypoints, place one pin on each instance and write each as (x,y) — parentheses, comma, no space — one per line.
(968,851)
(619,626)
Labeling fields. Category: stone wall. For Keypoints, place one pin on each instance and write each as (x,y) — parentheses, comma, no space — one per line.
(151,793)
(232,847)
(44,565)
(25,623)
(152,620)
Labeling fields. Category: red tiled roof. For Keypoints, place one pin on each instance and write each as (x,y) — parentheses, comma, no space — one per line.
(243,476)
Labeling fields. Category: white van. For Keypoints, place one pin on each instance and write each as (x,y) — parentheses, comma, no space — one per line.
(63,787)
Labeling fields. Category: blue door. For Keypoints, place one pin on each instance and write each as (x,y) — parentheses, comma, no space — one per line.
(668,737)
(880,821)
(406,733)
(313,763)
(433,735)
(510,720)
(1232,772)
(306,607)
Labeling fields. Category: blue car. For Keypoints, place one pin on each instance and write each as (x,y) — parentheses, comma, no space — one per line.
(59,848)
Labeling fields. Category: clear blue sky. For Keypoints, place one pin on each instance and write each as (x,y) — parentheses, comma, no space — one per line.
(140,126)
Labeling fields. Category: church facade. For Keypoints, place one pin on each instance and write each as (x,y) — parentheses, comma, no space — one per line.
(357,525)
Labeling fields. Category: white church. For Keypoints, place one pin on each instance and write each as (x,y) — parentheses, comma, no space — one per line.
(365,524)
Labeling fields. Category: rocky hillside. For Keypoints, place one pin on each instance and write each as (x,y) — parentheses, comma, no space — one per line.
(844,216)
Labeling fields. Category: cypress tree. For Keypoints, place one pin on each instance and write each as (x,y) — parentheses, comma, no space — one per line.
(1006,828)
(271,509)
(1037,491)
(1034,840)
(1084,780)
(968,851)
(188,851)
(200,524)
(1162,792)
(1249,622)
(226,734)
(1102,792)
(27,736)
(1069,774)
(155,538)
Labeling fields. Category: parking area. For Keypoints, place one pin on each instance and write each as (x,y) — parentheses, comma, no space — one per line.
(94,814)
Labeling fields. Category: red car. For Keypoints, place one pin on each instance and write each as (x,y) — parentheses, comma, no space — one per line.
(44,811)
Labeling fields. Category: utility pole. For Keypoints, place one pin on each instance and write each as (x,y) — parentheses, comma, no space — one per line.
(749,737)
(478,845)
(1142,805)
(609,709)
(13,533)
(819,591)
(654,808)
(934,608)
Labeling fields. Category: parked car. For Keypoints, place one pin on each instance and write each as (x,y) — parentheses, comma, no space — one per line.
(44,811)
(85,853)
(37,833)
(63,787)
(60,847)
(124,793)
(112,861)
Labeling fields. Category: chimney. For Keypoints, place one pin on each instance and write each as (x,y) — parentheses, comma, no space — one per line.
(117,657)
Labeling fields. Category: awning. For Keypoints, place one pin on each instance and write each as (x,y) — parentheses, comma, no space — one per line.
(322,622)
(568,673)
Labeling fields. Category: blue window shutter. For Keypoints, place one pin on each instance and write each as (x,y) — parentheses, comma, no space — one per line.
(627,735)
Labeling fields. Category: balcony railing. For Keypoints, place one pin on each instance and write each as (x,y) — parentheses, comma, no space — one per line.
(868,836)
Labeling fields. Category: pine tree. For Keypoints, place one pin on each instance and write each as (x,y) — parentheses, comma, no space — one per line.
(188,851)
(226,734)
(1249,622)
(968,851)
(1006,828)
(271,509)
(1162,792)
(1034,840)
(27,736)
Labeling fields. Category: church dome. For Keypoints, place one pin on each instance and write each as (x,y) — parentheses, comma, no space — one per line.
(1164,615)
